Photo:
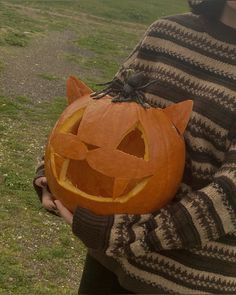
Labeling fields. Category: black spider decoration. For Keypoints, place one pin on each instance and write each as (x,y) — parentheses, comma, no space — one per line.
(129,90)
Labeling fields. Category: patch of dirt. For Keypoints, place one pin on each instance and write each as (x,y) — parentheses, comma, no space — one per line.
(24,67)
(27,71)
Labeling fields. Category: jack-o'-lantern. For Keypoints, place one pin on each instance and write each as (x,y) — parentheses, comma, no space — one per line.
(115,157)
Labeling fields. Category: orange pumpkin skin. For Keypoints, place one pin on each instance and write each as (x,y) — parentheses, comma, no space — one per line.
(116,158)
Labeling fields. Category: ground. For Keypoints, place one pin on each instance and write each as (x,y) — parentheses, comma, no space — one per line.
(39,254)
(39,71)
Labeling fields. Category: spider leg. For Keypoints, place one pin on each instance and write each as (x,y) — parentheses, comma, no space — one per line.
(120,98)
(141,99)
(104,84)
(146,85)
(116,98)
(100,94)
(115,86)
(114,82)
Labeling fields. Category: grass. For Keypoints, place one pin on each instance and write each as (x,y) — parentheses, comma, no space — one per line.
(100,51)
(39,254)
(16,39)
(123,10)
(34,244)
(16,28)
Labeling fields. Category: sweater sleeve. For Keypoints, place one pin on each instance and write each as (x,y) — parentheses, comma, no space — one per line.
(203,215)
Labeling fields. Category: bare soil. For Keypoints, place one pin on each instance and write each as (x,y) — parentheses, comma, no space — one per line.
(40,70)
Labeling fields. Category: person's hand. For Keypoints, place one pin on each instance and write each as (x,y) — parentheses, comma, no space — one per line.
(64,212)
(41,181)
(48,201)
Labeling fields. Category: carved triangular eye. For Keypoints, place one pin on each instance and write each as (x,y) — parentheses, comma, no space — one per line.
(133,144)
(74,128)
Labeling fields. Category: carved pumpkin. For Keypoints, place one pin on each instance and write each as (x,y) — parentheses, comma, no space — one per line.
(115,157)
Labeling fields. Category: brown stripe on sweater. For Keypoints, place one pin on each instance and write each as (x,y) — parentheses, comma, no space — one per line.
(214,29)
(202,263)
(183,219)
(198,67)
(228,186)
(197,144)
(166,230)
(197,40)
(229,239)
(202,219)
(209,52)
(157,44)
(215,227)
(188,79)
(164,267)
(217,250)
(189,90)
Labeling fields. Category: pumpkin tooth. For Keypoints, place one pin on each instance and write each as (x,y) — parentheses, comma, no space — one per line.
(120,185)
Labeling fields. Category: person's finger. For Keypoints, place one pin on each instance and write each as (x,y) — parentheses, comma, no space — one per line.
(44,181)
(41,181)
(46,192)
(52,205)
(60,207)
(48,200)
(64,212)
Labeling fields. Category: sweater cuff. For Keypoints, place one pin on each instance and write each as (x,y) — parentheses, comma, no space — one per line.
(93,230)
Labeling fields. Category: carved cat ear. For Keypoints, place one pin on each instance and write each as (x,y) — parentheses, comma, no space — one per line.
(75,89)
(179,114)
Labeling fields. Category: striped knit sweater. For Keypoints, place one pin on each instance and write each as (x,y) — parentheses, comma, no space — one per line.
(188,247)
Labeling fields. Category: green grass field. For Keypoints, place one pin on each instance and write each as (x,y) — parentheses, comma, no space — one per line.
(39,254)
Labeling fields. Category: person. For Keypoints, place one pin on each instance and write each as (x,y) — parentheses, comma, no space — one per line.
(189,246)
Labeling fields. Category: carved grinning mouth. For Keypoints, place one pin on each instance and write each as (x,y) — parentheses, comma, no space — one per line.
(92,191)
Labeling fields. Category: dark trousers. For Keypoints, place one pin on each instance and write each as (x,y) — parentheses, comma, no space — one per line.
(96,279)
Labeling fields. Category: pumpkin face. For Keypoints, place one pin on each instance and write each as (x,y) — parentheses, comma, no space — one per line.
(115,157)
